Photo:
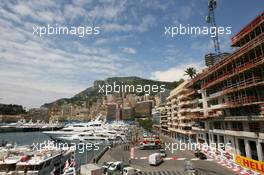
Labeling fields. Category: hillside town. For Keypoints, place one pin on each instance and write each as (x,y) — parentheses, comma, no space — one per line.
(216,113)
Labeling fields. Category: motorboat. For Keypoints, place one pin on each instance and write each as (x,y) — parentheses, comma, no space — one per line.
(25,160)
(73,129)
(93,131)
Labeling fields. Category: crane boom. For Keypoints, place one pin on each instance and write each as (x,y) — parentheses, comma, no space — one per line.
(211,19)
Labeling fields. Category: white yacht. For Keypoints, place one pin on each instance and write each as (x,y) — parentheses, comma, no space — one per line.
(25,160)
(73,129)
(96,131)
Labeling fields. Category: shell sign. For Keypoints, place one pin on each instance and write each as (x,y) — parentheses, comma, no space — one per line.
(251,164)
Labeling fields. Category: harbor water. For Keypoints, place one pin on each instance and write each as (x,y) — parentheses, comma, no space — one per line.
(30,138)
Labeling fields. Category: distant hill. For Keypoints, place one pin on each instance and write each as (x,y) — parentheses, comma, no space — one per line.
(11,109)
(91,94)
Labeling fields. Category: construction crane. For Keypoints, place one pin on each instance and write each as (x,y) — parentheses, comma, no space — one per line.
(211,19)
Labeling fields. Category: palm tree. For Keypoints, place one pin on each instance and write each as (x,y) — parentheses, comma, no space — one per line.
(190,71)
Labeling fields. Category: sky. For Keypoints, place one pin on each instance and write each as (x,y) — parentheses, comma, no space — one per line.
(132,42)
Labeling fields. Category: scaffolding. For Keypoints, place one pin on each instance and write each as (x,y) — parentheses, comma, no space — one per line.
(222,68)
(248,61)
(246,30)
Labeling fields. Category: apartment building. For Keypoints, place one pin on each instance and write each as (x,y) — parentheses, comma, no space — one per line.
(164,119)
(112,111)
(185,105)
(143,109)
(233,95)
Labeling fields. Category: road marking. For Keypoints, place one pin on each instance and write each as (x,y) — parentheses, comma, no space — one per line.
(167,158)
(164,172)
(169,173)
(181,158)
(195,159)
(159,173)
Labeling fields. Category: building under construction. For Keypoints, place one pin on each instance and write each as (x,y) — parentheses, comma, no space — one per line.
(233,95)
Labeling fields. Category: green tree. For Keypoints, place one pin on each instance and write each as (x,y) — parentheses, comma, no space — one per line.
(146,124)
(191,72)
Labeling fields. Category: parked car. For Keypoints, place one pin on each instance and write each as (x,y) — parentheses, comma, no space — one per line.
(163,153)
(131,171)
(116,168)
(106,166)
(188,167)
(155,159)
(200,155)
(149,146)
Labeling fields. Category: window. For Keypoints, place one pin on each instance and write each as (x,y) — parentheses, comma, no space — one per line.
(253,148)
(262,149)
(237,126)
(221,139)
(217,125)
(254,127)
(215,138)
(241,147)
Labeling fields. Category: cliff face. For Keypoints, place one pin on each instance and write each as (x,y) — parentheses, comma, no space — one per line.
(92,94)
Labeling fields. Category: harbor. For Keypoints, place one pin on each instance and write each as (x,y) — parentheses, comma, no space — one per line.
(142,87)
(41,153)
(23,126)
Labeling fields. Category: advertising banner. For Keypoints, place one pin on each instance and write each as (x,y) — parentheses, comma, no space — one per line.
(250,163)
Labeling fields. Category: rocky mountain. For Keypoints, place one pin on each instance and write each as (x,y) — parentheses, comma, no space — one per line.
(94,92)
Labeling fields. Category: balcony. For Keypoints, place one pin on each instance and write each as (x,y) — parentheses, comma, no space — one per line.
(214,95)
(174,106)
(196,128)
(198,109)
(218,106)
(237,133)
(186,132)
(196,116)
(163,116)
(244,101)
(173,100)
(185,110)
(183,117)
(185,124)
(175,124)
(188,102)
(183,97)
